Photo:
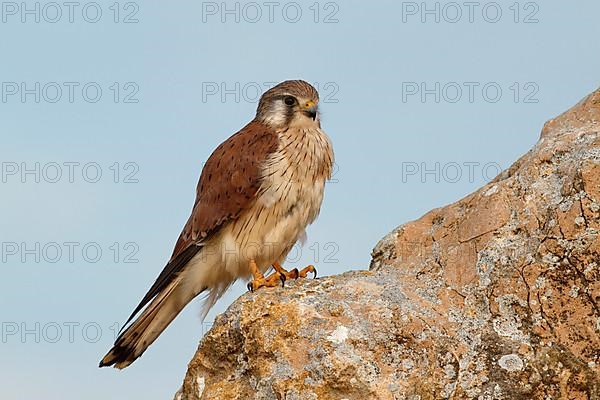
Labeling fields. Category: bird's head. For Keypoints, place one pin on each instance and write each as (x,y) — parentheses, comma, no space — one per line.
(290,103)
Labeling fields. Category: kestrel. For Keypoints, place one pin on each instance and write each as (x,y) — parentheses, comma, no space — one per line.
(257,193)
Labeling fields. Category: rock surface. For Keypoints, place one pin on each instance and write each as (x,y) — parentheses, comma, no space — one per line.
(494,297)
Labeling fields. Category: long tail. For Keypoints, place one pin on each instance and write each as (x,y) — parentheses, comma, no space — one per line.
(132,343)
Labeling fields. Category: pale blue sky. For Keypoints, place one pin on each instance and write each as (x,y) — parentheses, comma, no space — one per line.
(368,64)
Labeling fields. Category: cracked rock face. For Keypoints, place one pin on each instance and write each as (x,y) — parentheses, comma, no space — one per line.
(494,297)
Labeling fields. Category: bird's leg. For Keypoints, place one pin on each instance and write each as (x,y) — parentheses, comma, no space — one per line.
(259,279)
(295,274)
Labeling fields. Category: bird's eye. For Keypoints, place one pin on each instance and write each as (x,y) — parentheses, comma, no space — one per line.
(289,100)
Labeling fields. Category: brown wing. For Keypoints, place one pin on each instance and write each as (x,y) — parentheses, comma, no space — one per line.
(228,184)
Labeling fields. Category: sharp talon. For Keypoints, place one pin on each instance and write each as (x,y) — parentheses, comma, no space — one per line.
(283,278)
(295,273)
(249,286)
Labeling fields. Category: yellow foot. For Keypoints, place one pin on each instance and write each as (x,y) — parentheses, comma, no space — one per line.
(305,271)
(279,275)
(260,280)
(270,281)
(295,274)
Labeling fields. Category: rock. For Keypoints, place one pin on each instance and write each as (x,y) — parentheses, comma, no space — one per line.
(496,296)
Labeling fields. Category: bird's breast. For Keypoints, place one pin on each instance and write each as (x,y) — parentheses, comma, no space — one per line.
(294,176)
(289,198)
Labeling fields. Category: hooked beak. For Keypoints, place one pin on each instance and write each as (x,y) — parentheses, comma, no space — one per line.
(310,109)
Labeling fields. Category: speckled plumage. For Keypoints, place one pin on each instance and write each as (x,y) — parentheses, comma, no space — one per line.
(257,193)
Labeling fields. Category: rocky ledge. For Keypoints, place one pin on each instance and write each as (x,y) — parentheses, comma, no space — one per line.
(496,296)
